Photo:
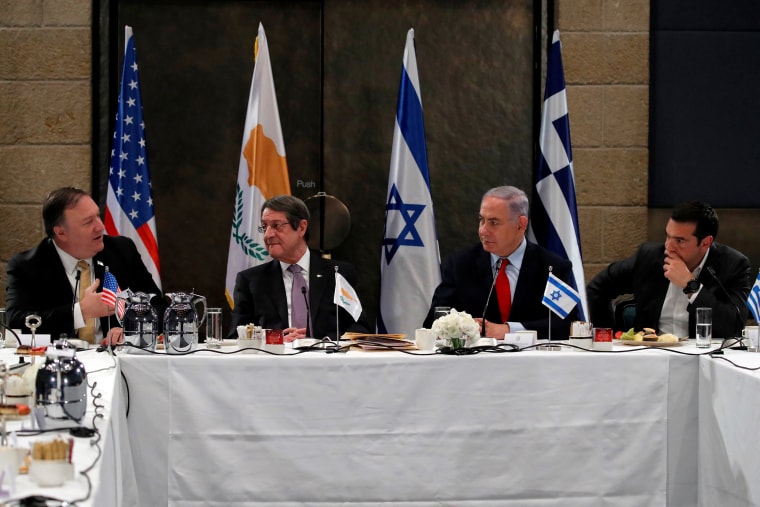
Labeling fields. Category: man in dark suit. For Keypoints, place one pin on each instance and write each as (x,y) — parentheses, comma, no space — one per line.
(264,294)
(669,281)
(469,274)
(46,279)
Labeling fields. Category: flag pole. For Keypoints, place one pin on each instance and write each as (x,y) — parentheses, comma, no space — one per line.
(337,316)
(550,315)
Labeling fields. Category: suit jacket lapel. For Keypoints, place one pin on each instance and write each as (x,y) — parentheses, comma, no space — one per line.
(319,278)
(485,273)
(275,287)
(56,273)
(529,280)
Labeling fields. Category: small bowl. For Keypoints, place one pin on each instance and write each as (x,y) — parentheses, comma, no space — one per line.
(249,344)
(50,473)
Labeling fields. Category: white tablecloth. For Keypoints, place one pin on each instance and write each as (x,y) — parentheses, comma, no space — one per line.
(729,423)
(529,428)
(111,477)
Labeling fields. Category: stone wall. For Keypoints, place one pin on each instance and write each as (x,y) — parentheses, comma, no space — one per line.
(45,106)
(46,110)
(605,50)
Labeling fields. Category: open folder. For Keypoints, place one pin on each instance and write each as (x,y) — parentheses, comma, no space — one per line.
(384,341)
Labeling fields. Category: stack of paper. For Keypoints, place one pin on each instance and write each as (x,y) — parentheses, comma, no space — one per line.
(368,341)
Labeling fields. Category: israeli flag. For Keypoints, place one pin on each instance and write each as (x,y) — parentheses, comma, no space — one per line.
(410,264)
(554,214)
(753,301)
(559,297)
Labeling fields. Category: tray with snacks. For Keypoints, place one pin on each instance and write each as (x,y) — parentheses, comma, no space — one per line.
(648,337)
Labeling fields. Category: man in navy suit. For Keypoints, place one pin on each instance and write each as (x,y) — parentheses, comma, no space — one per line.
(263,293)
(669,281)
(45,280)
(468,275)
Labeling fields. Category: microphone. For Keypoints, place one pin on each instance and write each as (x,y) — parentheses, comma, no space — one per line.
(308,313)
(728,297)
(74,300)
(488,299)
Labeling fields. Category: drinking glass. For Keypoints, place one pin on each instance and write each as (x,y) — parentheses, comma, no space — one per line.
(440,311)
(3,324)
(214,328)
(704,327)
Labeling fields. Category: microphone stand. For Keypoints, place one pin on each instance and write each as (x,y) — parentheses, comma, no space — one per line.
(309,331)
(337,321)
(738,341)
(488,299)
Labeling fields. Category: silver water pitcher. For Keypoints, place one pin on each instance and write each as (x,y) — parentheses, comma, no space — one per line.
(60,388)
(139,320)
(183,317)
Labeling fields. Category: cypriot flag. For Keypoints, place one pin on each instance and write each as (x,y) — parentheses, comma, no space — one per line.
(263,170)
(345,297)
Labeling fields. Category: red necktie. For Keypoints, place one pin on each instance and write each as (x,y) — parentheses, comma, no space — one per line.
(503,291)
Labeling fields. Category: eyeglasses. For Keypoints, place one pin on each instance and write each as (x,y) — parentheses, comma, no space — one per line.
(276,226)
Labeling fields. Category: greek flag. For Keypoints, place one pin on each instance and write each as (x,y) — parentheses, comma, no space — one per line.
(410,263)
(554,215)
(559,297)
(753,301)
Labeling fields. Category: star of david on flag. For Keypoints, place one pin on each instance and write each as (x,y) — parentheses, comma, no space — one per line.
(554,214)
(559,297)
(753,301)
(129,200)
(409,213)
(410,264)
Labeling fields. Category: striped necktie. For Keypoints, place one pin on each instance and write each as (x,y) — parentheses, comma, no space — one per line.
(87,332)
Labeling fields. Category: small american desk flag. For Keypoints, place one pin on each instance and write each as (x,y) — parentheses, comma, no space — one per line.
(108,295)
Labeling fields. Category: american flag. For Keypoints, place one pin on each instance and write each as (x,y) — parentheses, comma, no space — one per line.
(108,295)
(129,203)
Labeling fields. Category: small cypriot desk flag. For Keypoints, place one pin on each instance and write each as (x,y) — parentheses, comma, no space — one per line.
(410,264)
(554,214)
(345,297)
(753,301)
(262,171)
(559,297)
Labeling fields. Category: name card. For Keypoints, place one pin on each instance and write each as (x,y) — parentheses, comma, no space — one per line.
(521,338)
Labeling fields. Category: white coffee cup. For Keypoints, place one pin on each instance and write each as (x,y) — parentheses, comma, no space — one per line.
(424,339)
(752,334)
(9,463)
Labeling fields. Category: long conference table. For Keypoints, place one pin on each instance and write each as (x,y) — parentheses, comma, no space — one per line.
(571,428)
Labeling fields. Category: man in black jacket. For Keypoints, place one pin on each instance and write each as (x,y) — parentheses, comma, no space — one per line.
(264,294)
(46,279)
(468,275)
(669,281)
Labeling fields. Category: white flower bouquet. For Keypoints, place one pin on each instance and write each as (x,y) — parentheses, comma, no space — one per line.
(456,328)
